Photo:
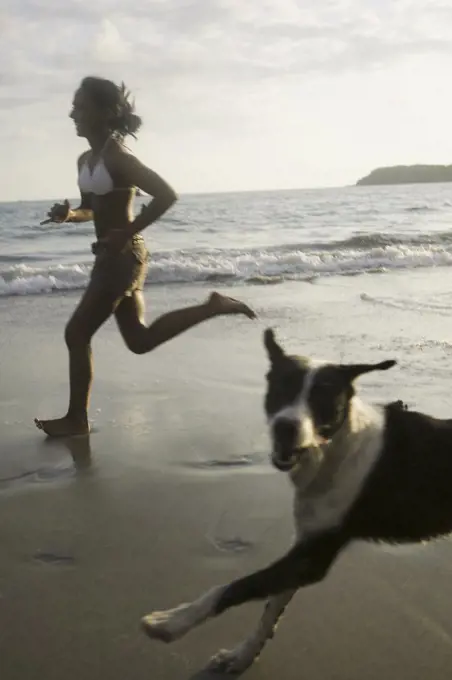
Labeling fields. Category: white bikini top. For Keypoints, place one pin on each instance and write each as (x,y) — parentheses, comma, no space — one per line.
(96,181)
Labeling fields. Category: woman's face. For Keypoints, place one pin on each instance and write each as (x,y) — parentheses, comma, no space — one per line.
(88,118)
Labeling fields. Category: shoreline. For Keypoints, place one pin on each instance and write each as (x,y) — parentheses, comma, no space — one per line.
(175,492)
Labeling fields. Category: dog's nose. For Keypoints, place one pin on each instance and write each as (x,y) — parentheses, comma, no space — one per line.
(285,433)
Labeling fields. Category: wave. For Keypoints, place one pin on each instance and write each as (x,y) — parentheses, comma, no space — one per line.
(23,279)
(442,308)
(359,254)
(420,208)
(366,241)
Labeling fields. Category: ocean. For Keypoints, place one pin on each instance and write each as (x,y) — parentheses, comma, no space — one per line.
(253,238)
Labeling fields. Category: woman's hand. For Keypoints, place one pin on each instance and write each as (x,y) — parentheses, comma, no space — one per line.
(59,213)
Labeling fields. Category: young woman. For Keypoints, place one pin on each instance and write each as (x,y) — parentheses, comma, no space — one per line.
(108,175)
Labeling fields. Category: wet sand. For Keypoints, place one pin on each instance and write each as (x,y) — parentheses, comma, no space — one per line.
(173,493)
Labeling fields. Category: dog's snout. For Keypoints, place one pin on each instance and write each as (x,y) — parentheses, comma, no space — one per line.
(285,432)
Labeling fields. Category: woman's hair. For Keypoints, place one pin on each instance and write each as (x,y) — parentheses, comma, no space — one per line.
(115,100)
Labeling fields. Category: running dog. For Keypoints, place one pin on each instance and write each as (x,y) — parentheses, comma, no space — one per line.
(359,472)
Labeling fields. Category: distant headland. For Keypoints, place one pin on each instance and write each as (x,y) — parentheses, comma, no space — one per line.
(407,174)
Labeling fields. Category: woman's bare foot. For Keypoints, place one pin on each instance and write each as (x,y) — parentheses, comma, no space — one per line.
(221,304)
(63,427)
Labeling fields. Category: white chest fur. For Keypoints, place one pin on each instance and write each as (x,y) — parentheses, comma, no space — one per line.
(329,478)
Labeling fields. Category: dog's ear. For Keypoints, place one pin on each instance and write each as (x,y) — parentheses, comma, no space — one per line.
(274,351)
(353,371)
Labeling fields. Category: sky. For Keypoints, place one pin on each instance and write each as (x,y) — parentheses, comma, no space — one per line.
(235,94)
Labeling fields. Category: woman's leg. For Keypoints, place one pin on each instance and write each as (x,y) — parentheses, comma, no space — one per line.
(140,338)
(93,310)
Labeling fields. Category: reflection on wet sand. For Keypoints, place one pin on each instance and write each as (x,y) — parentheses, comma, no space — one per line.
(79,449)
(45,468)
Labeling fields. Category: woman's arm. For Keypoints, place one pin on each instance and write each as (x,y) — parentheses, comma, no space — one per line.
(135,173)
(83,213)
(62,212)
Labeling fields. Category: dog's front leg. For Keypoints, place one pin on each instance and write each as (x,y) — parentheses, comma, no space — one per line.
(240,658)
(306,563)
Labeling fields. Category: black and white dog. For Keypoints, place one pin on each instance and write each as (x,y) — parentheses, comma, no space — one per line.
(359,472)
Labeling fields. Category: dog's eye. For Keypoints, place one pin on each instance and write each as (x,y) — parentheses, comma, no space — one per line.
(324,399)
(324,389)
(277,384)
(292,384)
(282,389)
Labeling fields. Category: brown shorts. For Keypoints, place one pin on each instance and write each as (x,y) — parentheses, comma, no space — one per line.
(121,273)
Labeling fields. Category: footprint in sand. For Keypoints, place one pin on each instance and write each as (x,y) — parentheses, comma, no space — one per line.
(55,559)
(217,464)
(234,545)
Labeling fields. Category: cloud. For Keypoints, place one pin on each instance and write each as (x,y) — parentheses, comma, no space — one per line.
(203,69)
(219,38)
(109,45)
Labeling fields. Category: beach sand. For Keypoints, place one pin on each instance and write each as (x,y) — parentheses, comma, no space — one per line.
(173,492)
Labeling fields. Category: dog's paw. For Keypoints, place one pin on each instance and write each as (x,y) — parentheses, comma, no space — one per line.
(168,625)
(172,624)
(233,661)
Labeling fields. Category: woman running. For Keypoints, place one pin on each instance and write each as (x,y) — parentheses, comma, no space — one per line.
(108,175)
